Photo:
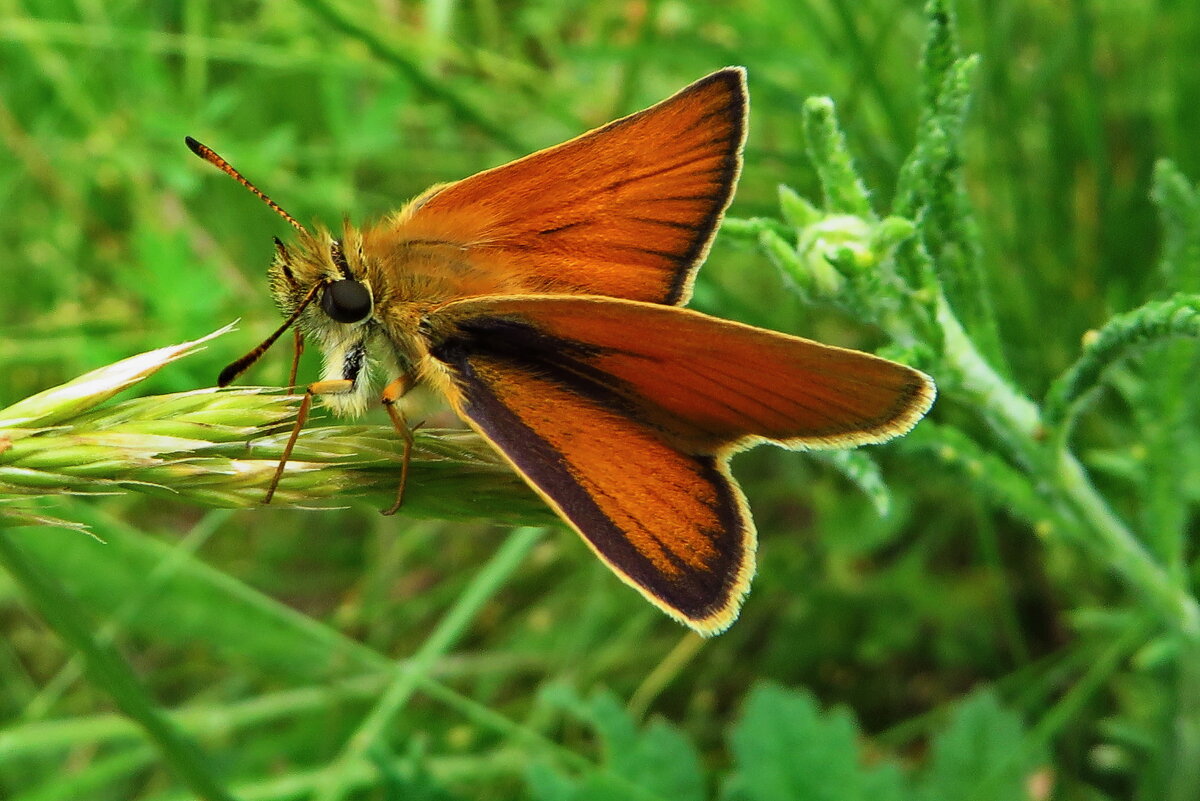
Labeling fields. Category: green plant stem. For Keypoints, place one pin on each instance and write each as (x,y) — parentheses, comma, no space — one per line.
(101,774)
(108,670)
(1000,403)
(362,776)
(1127,554)
(539,745)
(410,674)
(1018,423)
(1185,778)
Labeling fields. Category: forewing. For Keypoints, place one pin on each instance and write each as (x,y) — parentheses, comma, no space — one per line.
(627,210)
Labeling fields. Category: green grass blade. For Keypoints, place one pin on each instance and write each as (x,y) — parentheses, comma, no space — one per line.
(110,672)
(409,675)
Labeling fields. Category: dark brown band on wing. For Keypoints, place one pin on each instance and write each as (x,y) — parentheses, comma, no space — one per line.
(735,114)
(693,593)
(566,362)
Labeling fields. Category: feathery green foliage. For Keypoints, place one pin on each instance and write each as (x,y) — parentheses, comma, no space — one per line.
(1178,316)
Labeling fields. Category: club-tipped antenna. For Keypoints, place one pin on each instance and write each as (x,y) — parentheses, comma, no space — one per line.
(243,364)
(208,154)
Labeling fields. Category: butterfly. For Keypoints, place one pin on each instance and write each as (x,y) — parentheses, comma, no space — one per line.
(543,300)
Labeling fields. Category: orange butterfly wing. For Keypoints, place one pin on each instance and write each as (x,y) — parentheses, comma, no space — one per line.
(627,210)
(623,415)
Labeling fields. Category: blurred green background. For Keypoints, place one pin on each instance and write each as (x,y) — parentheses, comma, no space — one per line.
(117,240)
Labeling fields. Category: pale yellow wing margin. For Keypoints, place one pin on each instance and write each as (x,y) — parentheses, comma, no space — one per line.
(627,210)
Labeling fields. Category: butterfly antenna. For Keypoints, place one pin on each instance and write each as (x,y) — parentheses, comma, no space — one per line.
(208,154)
(243,364)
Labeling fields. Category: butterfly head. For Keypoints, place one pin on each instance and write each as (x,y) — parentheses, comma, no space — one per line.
(324,279)
(322,286)
(322,283)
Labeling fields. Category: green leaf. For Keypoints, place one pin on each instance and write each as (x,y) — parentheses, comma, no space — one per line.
(931,188)
(939,53)
(786,749)
(795,209)
(657,760)
(1152,322)
(863,472)
(1178,204)
(544,781)
(844,191)
(981,756)
(783,255)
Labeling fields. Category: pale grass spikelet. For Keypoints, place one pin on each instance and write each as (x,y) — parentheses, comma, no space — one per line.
(221,448)
(93,388)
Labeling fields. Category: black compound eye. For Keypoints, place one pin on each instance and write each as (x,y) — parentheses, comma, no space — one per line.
(346,301)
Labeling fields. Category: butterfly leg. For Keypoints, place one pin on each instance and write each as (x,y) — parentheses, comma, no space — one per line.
(392,393)
(335,387)
(297,352)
